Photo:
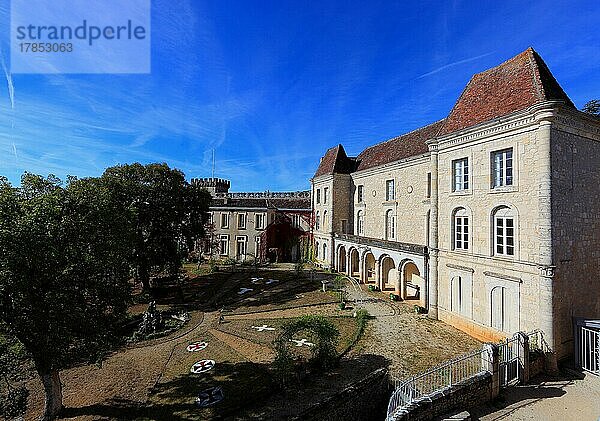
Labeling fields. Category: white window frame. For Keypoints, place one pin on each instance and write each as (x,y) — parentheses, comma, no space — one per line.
(224,220)
(257,241)
(360,194)
(360,222)
(242,221)
(224,251)
(241,239)
(460,175)
(461,231)
(501,323)
(390,225)
(390,190)
(457,299)
(318,200)
(325,195)
(318,221)
(502,168)
(324,220)
(505,234)
(260,221)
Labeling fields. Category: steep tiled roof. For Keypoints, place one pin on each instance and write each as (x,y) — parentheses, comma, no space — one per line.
(514,85)
(407,145)
(335,161)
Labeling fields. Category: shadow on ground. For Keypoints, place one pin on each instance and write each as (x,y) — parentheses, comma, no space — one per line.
(214,291)
(517,397)
(250,393)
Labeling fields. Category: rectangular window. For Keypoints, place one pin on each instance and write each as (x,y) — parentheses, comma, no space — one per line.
(257,246)
(461,232)
(344,226)
(296,220)
(241,221)
(502,168)
(360,194)
(505,236)
(390,193)
(224,220)
(325,195)
(460,174)
(457,298)
(428,185)
(224,245)
(240,251)
(260,221)
(318,196)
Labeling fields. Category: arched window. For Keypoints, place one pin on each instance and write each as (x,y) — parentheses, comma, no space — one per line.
(504,231)
(324,251)
(318,221)
(461,229)
(324,220)
(390,225)
(316,249)
(360,223)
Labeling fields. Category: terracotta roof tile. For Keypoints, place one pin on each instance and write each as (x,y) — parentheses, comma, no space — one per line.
(514,85)
(336,161)
(407,145)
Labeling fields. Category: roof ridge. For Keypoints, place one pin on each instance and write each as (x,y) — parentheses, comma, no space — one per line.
(535,74)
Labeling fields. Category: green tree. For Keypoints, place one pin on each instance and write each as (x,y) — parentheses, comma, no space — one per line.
(13,396)
(169,214)
(592,107)
(64,273)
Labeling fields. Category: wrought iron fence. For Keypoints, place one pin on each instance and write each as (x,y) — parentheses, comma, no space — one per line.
(442,376)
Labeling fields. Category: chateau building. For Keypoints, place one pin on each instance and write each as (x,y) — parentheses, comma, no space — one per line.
(489,218)
(264,226)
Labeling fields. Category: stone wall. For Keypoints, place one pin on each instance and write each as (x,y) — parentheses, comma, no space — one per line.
(410,205)
(576,223)
(479,268)
(470,393)
(362,401)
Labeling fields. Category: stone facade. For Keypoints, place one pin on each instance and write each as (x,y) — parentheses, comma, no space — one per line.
(261,226)
(496,220)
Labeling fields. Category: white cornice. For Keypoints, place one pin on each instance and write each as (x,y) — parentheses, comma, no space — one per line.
(392,166)
(517,122)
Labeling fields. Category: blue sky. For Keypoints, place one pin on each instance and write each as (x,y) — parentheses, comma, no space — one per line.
(270,85)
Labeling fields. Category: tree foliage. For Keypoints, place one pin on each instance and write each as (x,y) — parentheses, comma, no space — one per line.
(168,214)
(592,107)
(13,395)
(323,353)
(64,272)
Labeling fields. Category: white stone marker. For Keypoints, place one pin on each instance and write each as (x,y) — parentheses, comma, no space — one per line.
(300,342)
(263,328)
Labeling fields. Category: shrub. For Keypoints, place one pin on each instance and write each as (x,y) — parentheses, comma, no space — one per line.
(324,353)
